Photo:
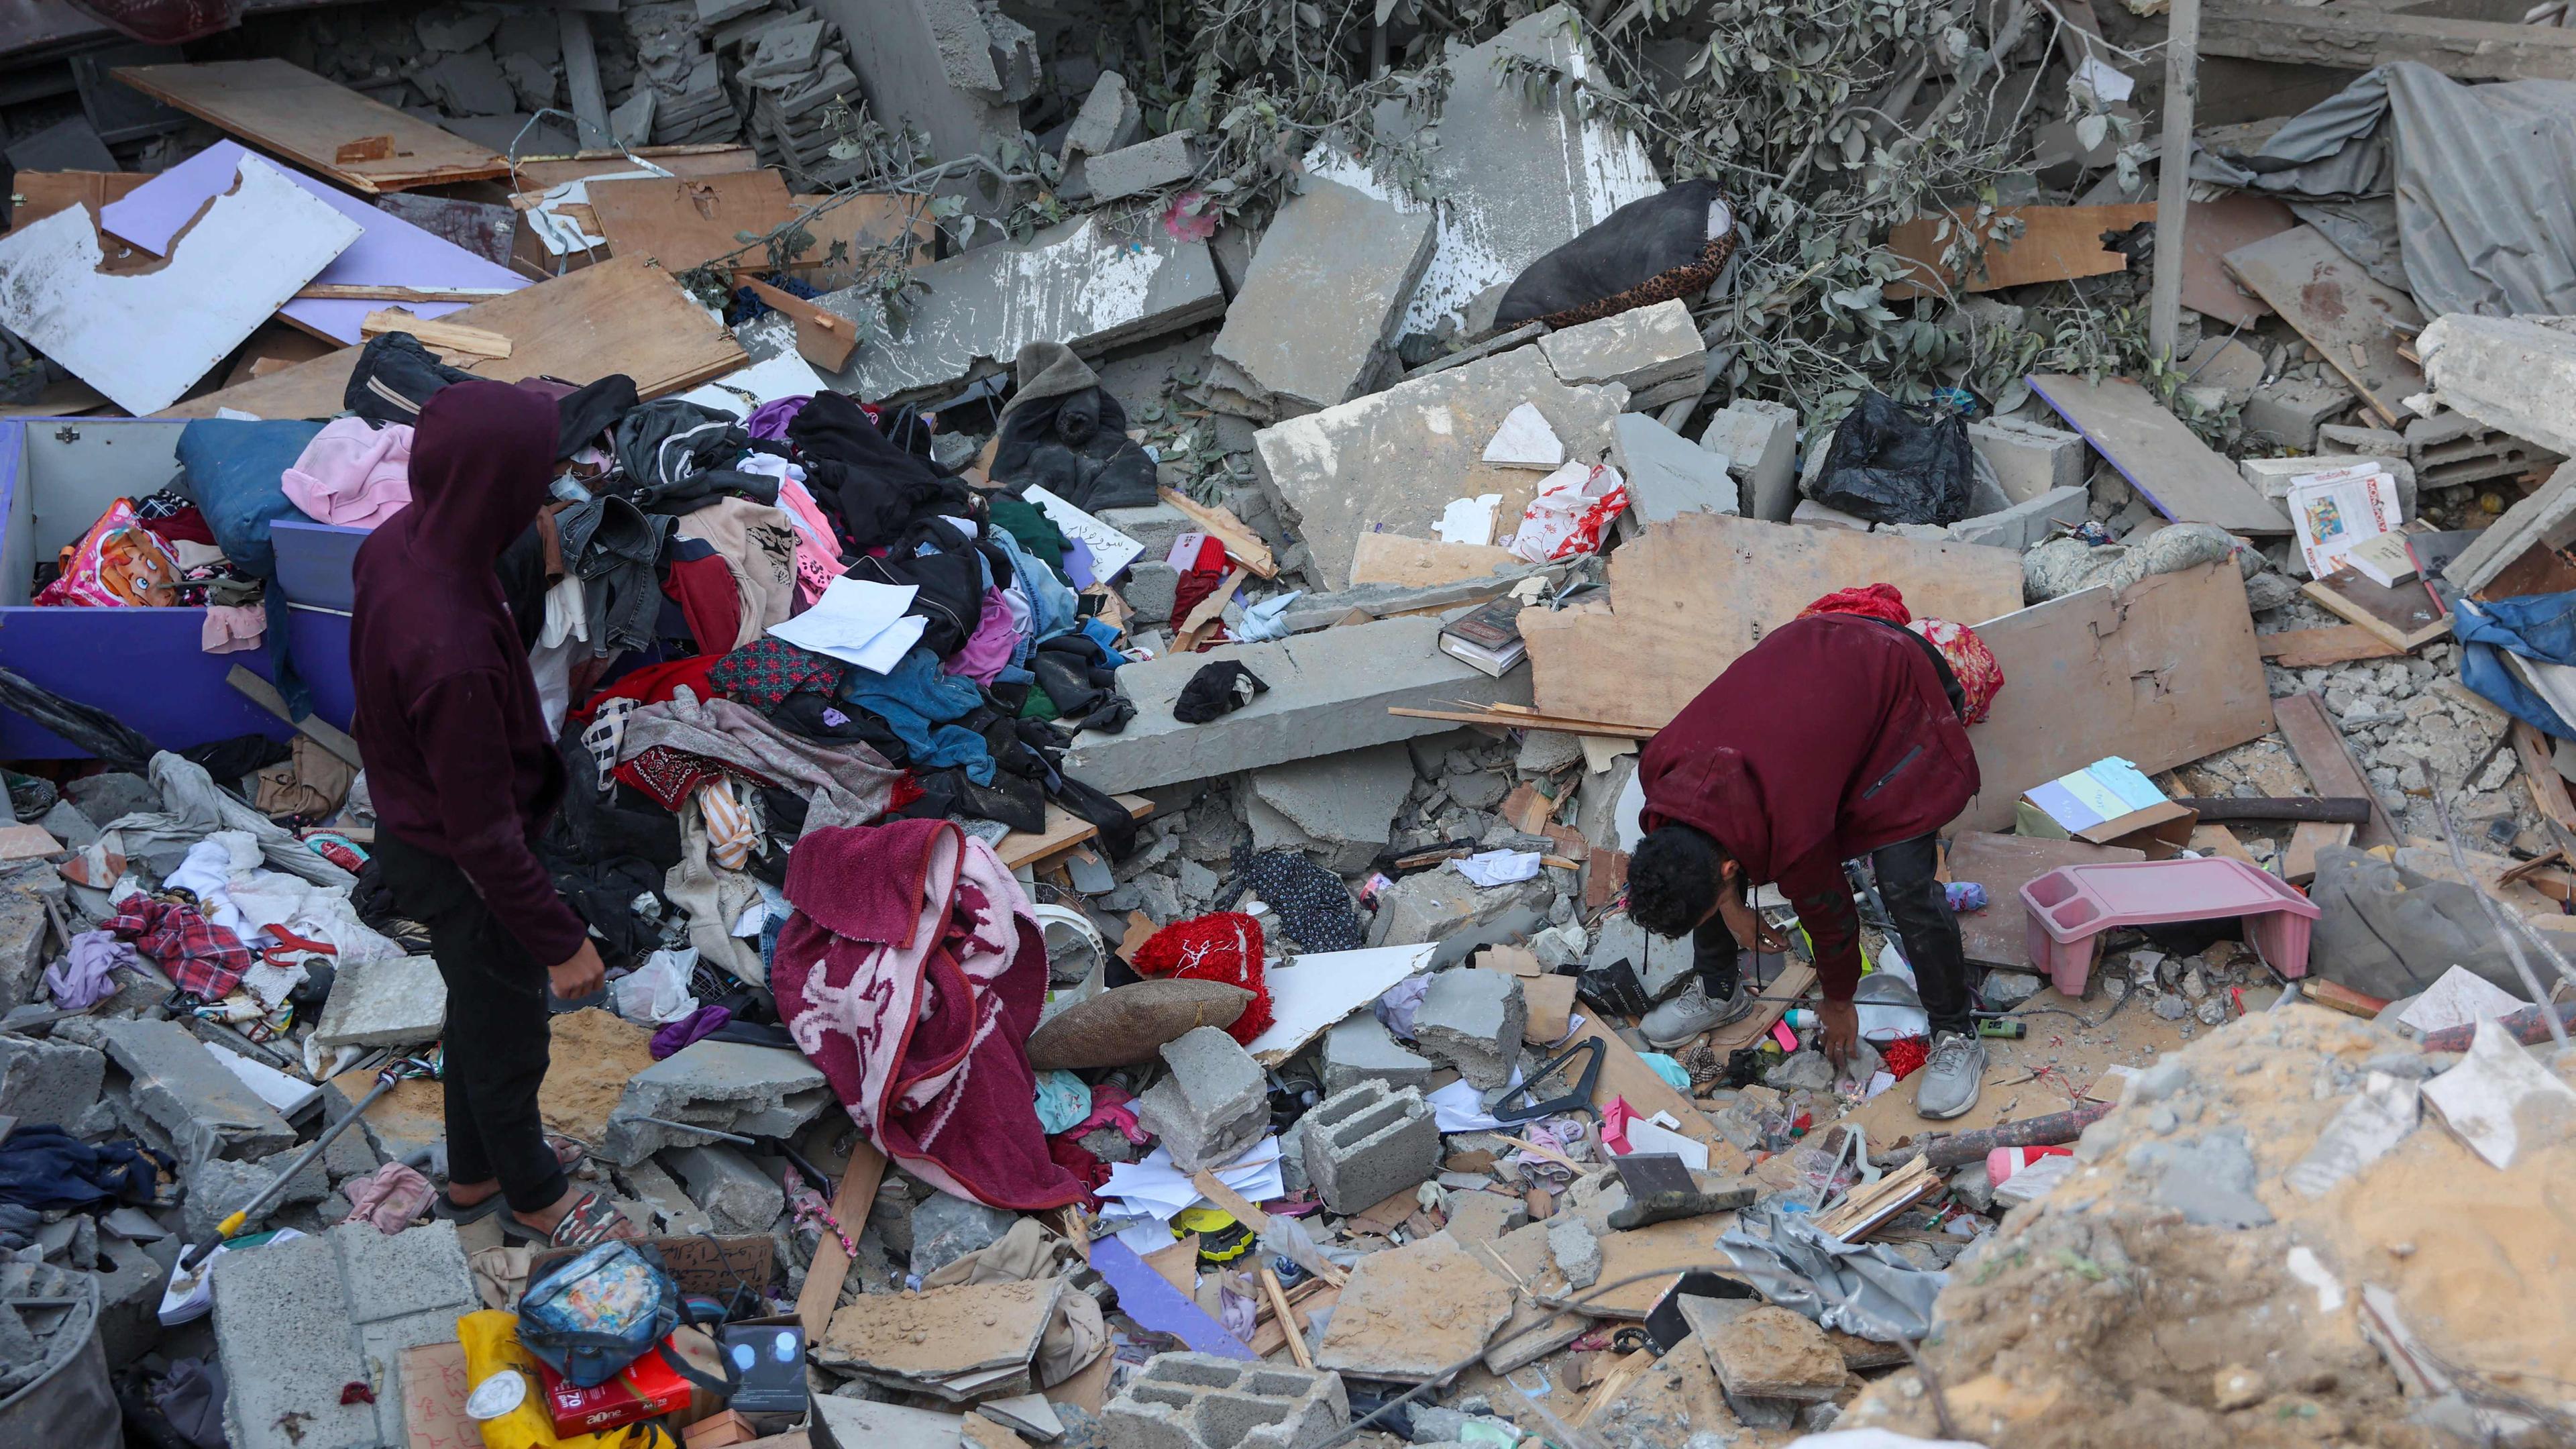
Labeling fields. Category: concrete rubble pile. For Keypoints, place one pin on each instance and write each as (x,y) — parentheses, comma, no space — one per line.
(1310,575)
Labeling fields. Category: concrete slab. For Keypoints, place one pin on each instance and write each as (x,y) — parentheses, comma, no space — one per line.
(1393,461)
(1109,120)
(1472,1019)
(400,1001)
(1667,474)
(1515,177)
(1329,693)
(283,1329)
(207,1111)
(1655,352)
(1318,313)
(1078,283)
(1359,1048)
(731,1086)
(1343,803)
(53,1081)
(737,1196)
(2026,523)
(1213,1105)
(1166,160)
(1760,441)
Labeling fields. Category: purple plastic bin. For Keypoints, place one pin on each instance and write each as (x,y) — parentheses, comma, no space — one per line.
(2069,908)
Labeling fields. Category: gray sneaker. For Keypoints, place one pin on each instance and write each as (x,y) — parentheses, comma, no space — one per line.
(1947,1085)
(1692,1012)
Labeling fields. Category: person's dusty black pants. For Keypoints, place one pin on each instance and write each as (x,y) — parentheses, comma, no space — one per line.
(497,1038)
(1908,881)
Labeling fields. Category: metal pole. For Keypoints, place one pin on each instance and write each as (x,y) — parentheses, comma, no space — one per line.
(2173,175)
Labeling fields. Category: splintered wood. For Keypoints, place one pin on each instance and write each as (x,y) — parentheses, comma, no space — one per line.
(1691,595)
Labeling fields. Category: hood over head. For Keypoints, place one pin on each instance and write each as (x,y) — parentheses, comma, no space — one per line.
(482,456)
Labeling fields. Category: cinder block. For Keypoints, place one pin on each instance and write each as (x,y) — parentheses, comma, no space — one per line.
(1760,441)
(1368,1143)
(1359,1048)
(1200,1401)
(1214,1104)
(1130,170)
(1472,1020)
(2029,459)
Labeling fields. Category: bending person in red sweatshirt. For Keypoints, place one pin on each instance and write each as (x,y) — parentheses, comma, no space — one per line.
(463,776)
(1839,735)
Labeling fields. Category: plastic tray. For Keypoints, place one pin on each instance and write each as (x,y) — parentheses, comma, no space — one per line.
(2070,907)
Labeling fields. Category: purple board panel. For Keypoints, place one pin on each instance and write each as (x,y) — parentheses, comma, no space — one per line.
(147,667)
(313,561)
(392,252)
(1150,1299)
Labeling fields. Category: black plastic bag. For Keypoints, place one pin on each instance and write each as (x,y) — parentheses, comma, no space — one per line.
(1890,465)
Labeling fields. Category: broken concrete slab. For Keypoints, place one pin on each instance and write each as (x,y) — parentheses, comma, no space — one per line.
(297,1322)
(1166,160)
(397,1001)
(1381,1328)
(947,1227)
(1655,352)
(1342,803)
(1436,904)
(1367,1143)
(1110,120)
(1518,171)
(2289,411)
(2027,522)
(207,1111)
(945,66)
(1078,283)
(1393,461)
(1472,1020)
(1214,1104)
(1329,692)
(48,1081)
(1575,1249)
(1481,1217)
(1773,1353)
(735,1194)
(1760,443)
(1315,320)
(2029,459)
(1359,1048)
(1668,475)
(732,1086)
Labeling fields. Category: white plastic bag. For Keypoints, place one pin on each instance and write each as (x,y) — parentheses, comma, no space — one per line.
(657,992)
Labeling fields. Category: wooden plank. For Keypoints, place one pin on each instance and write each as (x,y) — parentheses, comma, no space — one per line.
(822,338)
(2360,37)
(2320,750)
(1241,544)
(622,315)
(2219,840)
(2299,862)
(1689,596)
(2003,864)
(372,292)
(2218,227)
(2354,321)
(1287,1321)
(1625,1074)
(851,1200)
(2404,618)
(1794,979)
(702,159)
(443,337)
(1416,563)
(2315,648)
(2056,243)
(291,112)
(688,221)
(2548,787)
(1598,729)
(2159,674)
(2178,475)
(39,194)
(1064,830)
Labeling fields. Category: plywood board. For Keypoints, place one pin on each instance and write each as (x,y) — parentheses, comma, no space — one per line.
(688,221)
(1419,563)
(1625,1074)
(389,250)
(2003,864)
(2316,648)
(2056,243)
(623,316)
(2178,475)
(145,338)
(39,194)
(1691,595)
(2215,228)
(1064,830)
(2404,618)
(861,225)
(2356,323)
(2052,1069)
(2160,674)
(291,112)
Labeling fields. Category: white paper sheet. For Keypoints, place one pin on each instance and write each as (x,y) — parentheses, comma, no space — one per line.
(1111,550)
(1469,520)
(1157,1188)
(858,622)
(1461,1108)
(1311,992)
(2459,998)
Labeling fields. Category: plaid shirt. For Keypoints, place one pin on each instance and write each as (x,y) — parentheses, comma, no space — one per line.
(206,960)
(767,670)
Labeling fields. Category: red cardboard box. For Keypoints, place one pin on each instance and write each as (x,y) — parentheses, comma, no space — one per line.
(645,1389)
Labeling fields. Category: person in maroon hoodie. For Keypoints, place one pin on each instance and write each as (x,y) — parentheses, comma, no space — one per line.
(1839,735)
(463,776)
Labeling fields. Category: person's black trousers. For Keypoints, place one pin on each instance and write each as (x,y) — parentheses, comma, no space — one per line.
(1908,881)
(497,1038)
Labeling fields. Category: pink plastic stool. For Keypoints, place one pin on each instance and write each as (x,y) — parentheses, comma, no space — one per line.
(2069,908)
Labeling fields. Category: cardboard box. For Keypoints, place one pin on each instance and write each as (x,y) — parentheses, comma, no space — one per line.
(2109,802)
(646,1389)
(717,1431)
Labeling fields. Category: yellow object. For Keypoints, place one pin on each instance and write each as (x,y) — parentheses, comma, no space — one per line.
(231,1225)
(1221,1238)
(491,1340)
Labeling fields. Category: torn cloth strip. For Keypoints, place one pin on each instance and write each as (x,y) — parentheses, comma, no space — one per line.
(911,973)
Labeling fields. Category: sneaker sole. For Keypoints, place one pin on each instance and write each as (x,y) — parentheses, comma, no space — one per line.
(1664,1044)
(1962,1110)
